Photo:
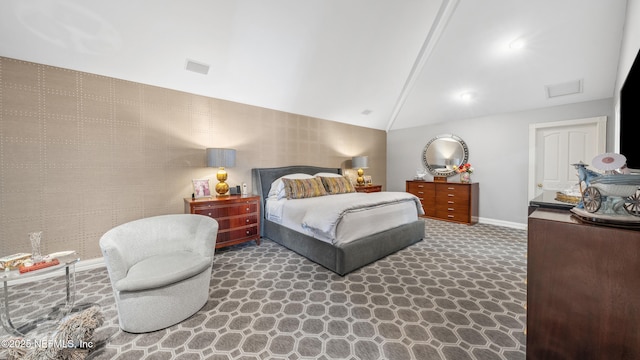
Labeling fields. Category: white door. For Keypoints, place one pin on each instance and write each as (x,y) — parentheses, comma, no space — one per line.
(554,146)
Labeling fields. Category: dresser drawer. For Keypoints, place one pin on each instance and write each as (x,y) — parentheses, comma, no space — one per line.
(219,211)
(453,214)
(237,221)
(235,234)
(452,190)
(416,187)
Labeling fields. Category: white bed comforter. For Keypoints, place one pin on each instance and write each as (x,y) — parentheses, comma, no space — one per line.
(323,213)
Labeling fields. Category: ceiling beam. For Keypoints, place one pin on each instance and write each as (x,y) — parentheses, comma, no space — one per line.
(445,13)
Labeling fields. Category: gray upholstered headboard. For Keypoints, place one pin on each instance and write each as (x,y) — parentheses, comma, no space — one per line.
(261,179)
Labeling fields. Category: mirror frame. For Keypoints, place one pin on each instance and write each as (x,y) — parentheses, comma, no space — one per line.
(451,172)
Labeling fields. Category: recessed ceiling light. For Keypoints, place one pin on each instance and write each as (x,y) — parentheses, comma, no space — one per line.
(516,44)
(467,96)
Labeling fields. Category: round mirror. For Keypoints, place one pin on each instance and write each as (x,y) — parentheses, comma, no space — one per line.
(443,152)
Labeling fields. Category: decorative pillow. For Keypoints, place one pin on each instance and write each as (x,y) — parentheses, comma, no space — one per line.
(337,185)
(303,188)
(277,186)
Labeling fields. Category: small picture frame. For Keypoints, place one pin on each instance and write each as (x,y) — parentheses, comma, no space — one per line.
(367,180)
(201,188)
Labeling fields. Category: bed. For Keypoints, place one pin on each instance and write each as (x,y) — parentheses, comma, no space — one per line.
(341,257)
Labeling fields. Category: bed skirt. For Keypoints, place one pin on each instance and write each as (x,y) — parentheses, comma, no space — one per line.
(344,258)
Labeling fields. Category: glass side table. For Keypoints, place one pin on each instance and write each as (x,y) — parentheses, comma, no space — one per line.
(67,262)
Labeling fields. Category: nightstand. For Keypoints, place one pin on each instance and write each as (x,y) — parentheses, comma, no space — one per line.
(238,217)
(369,188)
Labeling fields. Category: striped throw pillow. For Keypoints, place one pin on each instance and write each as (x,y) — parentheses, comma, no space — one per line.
(337,185)
(303,188)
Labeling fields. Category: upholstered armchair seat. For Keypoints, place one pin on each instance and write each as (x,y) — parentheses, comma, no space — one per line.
(160,268)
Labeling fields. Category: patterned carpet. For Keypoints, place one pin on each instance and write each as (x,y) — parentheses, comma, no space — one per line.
(459,294)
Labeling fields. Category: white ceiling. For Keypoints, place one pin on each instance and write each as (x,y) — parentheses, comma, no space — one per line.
(405,62)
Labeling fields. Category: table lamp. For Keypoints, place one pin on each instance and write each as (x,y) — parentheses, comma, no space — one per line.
(360,163)
(221,158)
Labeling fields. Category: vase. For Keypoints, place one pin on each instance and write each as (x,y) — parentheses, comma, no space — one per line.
(465,177)
(34,239)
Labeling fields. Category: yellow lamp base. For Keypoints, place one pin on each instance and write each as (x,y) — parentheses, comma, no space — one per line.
(360,179)
(222,188)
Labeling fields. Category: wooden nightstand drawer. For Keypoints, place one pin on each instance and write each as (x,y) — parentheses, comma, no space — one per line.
(237,221)
(238,217)
(232,236)
(227,210)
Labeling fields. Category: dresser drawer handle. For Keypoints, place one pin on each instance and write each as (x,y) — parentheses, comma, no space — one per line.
(421,199)
(450,209)
(450,216)
(451,188)
(420,192)
(450,202)
(450,195)
(420,186)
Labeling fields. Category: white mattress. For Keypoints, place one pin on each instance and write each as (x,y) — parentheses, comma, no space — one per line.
(353,225)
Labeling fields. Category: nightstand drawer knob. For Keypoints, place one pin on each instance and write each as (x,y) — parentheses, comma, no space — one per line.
(209,214)
(248,232)
(247,221)
(247,209)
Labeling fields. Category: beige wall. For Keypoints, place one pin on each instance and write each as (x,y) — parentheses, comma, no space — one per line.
(81,153)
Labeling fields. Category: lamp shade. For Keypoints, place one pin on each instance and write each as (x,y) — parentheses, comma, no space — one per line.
(217,157)
(360,162)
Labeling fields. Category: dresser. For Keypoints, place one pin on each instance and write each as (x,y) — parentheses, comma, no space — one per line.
(238,217)
(583,289)
(454,202)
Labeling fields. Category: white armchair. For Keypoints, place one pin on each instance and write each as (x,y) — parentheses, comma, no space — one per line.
(160,268)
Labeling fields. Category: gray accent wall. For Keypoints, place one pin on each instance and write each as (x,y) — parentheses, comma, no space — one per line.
(498,150)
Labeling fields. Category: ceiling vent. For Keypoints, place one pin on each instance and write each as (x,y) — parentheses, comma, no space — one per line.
(568,88)
(197,67)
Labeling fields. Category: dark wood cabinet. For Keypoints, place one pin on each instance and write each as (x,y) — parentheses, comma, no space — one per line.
(455,202)
(238,217)
(583,289)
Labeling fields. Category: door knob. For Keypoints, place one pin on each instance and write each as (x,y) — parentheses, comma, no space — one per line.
(540,185)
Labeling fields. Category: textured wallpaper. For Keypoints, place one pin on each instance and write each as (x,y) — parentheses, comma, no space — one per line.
(82,153)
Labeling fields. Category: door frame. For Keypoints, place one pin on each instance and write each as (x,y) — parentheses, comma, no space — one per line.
(601,141)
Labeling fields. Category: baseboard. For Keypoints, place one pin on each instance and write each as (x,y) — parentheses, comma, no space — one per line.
(508,224)
(89,264)
(82,265)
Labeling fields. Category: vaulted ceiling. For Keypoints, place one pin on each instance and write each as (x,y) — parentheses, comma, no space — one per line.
(381,64)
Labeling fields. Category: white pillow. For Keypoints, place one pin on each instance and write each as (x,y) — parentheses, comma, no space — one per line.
(277,186)
(325,174)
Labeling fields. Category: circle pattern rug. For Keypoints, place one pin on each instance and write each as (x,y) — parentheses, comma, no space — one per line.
(458,294)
